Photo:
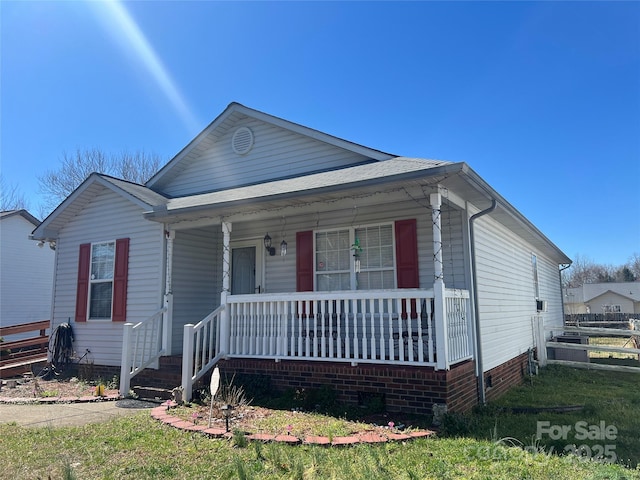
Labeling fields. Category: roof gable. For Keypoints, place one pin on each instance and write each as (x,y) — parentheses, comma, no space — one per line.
(280,148)
(630,290)
(22,213)
(81,196)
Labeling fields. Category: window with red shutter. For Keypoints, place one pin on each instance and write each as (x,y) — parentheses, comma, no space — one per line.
(102,281)
(333,254)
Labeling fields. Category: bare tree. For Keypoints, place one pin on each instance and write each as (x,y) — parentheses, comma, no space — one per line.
(56,185)
(11,198)
(634,265)
(584,270)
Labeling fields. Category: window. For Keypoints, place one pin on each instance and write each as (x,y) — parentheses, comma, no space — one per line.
(536,285)
(611,308)
(101,280)
(376,258)
(335,258)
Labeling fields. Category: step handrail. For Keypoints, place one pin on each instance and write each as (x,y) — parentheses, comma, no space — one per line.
(201,349)
(141,346)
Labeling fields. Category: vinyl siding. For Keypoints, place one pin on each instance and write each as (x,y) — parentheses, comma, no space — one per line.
(506,292)
(276,153)
(109,217)
(197,278)
(26,275)
(610,298)
(280,272)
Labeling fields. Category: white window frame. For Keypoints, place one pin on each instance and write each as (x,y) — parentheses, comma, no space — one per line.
(536,278)
(612,308)
(93,281)
(352,273)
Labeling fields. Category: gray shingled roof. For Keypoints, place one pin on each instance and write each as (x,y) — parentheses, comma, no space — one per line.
(308,183)
(23,213)
(140,192)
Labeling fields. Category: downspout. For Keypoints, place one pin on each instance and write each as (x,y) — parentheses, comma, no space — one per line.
(481,386)
(561,289)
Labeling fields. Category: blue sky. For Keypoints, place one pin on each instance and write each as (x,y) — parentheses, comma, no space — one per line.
(542,99)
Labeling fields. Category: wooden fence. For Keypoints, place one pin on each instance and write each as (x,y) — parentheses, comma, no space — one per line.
(595,318)
(17,357)
(573,343)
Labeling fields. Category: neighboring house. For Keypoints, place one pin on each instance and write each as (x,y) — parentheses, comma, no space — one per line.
(308,259)
(26,271)
(597,298)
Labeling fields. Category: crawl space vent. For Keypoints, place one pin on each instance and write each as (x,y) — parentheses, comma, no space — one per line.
(242,141)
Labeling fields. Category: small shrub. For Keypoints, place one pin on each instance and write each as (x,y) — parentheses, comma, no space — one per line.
(234,395)
(240,439)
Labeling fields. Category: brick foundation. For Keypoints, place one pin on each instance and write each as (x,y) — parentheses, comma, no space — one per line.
(501,378)
(169,375)
(405,389)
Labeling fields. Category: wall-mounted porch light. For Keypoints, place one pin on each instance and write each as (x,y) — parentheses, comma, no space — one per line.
(267,245)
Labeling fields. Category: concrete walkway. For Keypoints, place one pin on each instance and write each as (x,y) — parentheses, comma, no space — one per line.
(69,414)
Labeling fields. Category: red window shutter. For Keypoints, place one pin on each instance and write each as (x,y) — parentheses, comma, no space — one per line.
(120,275)
(407,254)
(304,261)
(82,292)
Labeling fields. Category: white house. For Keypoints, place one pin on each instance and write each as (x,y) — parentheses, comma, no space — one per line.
(603,298)
(311,260)
(26,271)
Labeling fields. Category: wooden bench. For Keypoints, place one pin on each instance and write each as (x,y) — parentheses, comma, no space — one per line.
(24,352)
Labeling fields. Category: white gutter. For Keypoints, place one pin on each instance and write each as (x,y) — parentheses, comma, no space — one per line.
(479,364)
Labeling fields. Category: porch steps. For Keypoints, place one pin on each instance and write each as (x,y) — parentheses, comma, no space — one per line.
(157,385)
(153,394)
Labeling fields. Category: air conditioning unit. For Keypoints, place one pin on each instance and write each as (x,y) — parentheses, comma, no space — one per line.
(572,354)
(541,305)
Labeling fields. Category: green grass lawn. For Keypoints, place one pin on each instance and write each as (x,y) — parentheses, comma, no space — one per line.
(138,447)
(141,448)
(609,401)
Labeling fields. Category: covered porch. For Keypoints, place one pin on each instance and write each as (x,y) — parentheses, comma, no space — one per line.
(416,327)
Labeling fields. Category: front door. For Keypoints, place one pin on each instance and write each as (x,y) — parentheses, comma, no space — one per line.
(244,276)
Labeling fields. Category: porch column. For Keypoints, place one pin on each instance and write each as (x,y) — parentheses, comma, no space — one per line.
(225,329)
(442,345)
(167,316)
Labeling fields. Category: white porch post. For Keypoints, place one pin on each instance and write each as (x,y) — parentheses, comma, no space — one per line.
(226,277)
(125,363)
(167,316)
(438,284)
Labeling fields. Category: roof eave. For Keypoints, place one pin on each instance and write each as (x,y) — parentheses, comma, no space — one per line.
(46,232)
(161,213)
(503,204)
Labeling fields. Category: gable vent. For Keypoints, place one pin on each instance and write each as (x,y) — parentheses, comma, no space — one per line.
(242,141)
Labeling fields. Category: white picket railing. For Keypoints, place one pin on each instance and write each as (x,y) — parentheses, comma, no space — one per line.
(458,326)
(141,346)
(392,327)
(201,349)
(396,327)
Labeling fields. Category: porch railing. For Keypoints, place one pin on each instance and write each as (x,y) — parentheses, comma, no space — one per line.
(141,346)
(391,327)
(458,326)
(201,349)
